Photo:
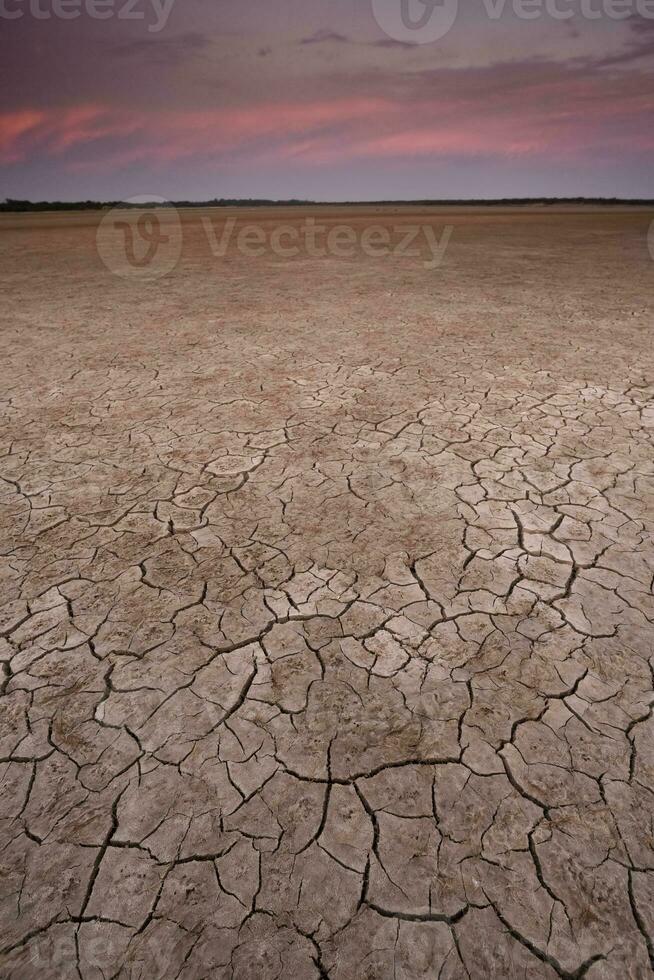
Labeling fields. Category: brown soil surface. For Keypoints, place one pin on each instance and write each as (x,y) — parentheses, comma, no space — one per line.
(326,610)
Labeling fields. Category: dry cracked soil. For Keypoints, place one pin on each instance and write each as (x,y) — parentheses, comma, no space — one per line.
(327,614)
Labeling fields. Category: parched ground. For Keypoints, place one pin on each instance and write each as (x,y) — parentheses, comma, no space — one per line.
(327,607)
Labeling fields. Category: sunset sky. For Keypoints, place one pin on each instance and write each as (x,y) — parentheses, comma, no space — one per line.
(311,99)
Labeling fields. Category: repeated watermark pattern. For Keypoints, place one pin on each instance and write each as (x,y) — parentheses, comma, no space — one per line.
(427,21)
(315,240)
(142,242)
(154,13)
(416,21)
(138,241)
(66,952)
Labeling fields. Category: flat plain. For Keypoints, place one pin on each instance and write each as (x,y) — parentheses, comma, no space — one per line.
(326,611)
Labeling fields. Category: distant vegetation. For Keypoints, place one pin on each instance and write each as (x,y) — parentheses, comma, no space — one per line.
(14,205)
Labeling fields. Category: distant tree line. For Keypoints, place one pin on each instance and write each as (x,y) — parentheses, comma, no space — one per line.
(16,205)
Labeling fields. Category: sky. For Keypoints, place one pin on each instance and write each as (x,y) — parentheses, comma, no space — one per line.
(326,99)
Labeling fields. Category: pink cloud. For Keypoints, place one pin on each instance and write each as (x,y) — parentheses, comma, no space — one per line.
(168,135)
(548,117)
(14,127)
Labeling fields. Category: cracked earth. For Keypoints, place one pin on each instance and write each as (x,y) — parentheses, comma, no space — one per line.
(327,608)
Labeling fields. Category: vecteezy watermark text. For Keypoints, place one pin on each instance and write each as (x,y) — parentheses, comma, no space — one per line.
(155,12)
(427,21)
(143,240)
(316,241)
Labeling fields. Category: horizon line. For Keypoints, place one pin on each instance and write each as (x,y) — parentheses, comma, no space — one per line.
(18,205)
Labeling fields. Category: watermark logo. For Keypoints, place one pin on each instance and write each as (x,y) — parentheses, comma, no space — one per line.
(154,12)
(427,21)
(416,21)
(141,239)
(314,240)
